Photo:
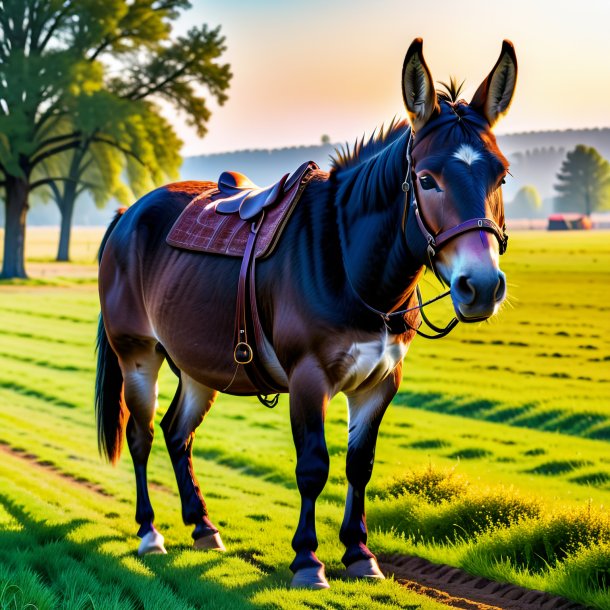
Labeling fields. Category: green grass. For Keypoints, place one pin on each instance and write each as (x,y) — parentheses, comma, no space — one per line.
(521,502)
(544,362)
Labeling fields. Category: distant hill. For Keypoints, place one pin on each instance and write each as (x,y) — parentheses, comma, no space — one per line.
(262,166)
(535,159)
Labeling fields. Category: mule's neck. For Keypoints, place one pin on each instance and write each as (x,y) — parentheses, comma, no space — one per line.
(370,207)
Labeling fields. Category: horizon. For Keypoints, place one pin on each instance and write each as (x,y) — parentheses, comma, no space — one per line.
(366,134)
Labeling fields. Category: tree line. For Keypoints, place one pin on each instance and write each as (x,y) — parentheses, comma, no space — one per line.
(583,185)
(81,83)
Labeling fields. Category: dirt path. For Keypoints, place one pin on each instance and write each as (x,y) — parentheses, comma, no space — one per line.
(458,589)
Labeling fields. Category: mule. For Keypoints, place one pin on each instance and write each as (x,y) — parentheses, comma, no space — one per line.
(426,192)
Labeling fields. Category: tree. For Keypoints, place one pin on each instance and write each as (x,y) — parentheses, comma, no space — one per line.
(106,172)
(584,182)
(60,92)
(527,203)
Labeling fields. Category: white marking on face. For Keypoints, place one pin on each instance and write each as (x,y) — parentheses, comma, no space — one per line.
(467,154)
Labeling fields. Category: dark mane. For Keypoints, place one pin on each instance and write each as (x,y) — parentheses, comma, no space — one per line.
(347,156)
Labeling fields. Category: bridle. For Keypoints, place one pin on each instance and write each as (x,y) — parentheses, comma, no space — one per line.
(424,245)
(434,243)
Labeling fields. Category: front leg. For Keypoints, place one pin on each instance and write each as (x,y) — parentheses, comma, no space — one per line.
(366,410)
(309,396)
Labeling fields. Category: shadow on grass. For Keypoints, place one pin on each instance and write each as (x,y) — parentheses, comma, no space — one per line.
(106,575)
(586,424)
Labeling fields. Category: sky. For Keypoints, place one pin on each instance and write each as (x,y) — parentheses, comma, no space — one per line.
(304,69)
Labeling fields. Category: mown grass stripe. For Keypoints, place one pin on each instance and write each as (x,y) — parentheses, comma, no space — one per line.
(12,386)
(47,316)
(47,364)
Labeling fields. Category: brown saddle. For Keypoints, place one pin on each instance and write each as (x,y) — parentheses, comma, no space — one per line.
(218,221)
(243,196)
(239,218)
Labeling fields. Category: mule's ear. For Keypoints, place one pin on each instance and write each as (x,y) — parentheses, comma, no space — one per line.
(495,93)
(417,86)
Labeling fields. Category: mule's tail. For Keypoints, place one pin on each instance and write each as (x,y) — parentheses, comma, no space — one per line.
(110,410)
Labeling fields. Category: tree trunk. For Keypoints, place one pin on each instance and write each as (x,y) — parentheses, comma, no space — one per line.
(13,264)
(66,209)
(66,202)
(588,209)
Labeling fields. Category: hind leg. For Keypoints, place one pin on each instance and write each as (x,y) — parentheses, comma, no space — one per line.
(189,407)
(140,367)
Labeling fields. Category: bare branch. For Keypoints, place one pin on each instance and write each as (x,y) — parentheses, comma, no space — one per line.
(49,181)
(54,25)
(76,135)
(103,140)
(38,158)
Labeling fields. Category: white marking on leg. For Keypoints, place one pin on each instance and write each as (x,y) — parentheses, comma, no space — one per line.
(195,401)
(360,414)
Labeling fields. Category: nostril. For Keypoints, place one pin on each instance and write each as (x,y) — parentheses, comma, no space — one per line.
(500,291)
(465,289)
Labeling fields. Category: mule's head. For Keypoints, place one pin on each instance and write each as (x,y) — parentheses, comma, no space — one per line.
(457,171)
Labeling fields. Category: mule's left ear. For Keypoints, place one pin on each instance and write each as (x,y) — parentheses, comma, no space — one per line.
(495,93)
(417,86)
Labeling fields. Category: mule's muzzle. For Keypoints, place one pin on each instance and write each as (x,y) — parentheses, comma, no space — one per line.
(478,296)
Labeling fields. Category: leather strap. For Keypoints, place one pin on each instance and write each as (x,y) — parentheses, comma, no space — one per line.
(255,369)
(243,352)
(435,243)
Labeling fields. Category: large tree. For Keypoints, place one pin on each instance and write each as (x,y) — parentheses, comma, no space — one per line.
(584,182)
(77,73)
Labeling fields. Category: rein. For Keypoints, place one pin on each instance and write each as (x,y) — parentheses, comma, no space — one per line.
(403,325)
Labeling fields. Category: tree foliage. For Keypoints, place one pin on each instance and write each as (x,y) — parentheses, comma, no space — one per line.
(584,182)
(527,203)
(80,74)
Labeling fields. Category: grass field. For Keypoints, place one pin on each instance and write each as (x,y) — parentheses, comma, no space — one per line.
(493,457)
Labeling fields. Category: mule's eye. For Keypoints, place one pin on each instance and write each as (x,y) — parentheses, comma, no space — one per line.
(428,182)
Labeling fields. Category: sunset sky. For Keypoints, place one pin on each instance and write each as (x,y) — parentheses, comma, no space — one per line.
(303,69)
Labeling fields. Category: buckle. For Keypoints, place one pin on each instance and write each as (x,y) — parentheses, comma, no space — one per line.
(242,353)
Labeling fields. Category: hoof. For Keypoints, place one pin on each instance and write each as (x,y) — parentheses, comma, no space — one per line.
(365,568)
(212,542)
(310,578)
(152,544)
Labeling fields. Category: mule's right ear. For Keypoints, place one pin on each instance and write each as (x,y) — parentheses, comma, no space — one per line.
(417,87)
